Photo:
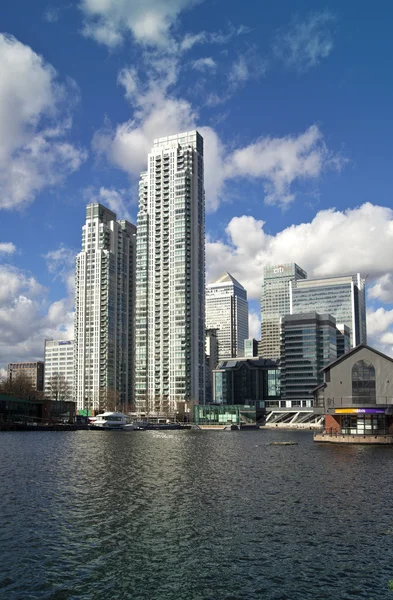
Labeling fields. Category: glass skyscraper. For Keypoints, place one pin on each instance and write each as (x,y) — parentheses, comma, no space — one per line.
(170,280)
(227,311)
(104,311)
(275,303)
(343,297)
(308,343)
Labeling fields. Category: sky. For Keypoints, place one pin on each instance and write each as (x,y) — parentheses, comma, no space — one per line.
(293,101)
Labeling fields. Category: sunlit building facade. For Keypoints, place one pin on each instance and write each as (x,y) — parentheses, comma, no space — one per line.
(275,303)
(227,311)
(104,311)
(344,297)
(170,294)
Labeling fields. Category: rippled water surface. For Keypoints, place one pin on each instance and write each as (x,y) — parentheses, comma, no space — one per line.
(193,515)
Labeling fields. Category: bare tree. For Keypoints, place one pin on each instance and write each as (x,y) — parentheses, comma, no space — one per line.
(108,400)
(20,386)
(58,387)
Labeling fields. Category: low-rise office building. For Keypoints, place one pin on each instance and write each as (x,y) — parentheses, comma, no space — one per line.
(33,371)
(356,398)
(246,381)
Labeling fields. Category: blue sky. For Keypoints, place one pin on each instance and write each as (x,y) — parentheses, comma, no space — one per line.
(293,100)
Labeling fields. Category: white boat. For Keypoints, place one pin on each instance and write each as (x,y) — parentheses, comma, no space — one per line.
(112,420)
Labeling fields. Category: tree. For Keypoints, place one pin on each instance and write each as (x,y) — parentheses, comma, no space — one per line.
(58,388)
(19,386)
(108,400)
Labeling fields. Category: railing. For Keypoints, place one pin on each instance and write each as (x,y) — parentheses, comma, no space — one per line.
(353,401)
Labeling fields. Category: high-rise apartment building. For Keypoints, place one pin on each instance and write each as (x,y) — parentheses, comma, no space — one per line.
(344,297)
(59,369)
(227,311)
(104,311)
(32,371)
(275,303)
(170,284)
(308,343)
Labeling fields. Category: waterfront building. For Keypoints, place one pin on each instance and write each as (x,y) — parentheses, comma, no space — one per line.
(211,351)
(104,311)
(170,297)
(227,311)
(308,343)
(254,382)
(32,371)
(250,348)
(59,369)
(275,303)
(356,397)
(224,416)
(343,297)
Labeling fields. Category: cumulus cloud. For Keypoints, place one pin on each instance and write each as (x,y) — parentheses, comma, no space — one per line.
(150,22)
(34,121)
(25,318)
(7,248)
(304,43)
(366,233)
(116,200)
(61,263)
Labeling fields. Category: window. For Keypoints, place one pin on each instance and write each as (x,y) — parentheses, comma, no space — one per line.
(363,382)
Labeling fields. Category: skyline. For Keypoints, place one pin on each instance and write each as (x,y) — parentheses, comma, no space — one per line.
(296,128)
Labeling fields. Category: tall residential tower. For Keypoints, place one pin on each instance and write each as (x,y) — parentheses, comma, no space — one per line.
(170,284)
(104,311)
(227,311)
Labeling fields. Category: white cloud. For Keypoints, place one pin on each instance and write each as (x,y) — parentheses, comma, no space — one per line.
(366,234)
(215,37)
(116,200)
(248,65)
(26,320)
(33,123)
(61,263)
(254,325)
(150,22)
(204,64)
(382,289)
(304,44)
(7,248)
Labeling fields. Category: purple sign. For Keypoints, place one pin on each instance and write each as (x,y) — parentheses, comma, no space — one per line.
(371,411)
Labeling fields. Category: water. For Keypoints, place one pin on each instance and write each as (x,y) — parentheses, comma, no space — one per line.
(186,515)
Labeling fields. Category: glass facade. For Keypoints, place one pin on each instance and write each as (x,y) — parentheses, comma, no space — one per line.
(247,381)
(363,382)
(309,343)
(342,297)
(224,415)
(227,312)
(275,303)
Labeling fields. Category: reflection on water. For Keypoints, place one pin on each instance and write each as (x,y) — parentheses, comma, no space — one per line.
(193,515)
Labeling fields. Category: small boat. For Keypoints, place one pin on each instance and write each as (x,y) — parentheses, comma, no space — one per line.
(110,420)
(283,444)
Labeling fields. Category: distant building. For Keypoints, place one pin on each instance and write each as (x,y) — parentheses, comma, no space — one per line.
(356,397)
(343,339)
(104,310)
(275,303)
(59,361)
(254,382)
(250,348)
(227,311)
(308,343)
(211,353)
(341,296)
(33,371)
